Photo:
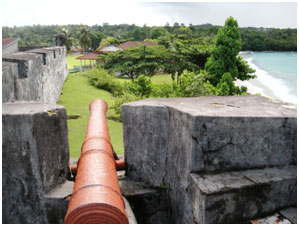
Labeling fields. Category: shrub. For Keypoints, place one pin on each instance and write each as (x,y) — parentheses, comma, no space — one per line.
(164,90)
(142,86)
(101,79)
(193,85)
(126,98)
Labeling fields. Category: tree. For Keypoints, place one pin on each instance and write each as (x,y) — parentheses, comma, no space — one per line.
(176,25)
(96,38)
(85,38)
(138,34)
(68,37)
(224,56)
(185,55)
(183,32)
(135,61)
(156,32)
(107,41)
(165,40)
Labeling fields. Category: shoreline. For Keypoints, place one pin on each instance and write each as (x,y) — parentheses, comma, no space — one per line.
(266,84)
(254,90)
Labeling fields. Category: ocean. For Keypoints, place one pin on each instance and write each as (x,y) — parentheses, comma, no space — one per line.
(276,75)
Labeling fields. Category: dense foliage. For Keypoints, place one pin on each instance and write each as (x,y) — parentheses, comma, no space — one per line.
(255,39)
(224,61)
(269,39)
(135,61)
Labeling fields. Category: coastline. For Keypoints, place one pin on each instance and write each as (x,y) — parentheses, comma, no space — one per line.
(254,90)
(266,84)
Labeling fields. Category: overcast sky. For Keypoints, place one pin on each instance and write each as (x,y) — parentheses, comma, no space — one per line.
(62,12)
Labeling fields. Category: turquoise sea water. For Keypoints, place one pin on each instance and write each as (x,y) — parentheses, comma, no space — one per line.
(276,74)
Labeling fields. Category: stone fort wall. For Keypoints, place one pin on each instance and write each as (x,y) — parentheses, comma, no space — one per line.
(36,75)
(35,150)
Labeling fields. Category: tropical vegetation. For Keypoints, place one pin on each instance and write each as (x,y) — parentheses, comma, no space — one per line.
(253,39)
(187,61)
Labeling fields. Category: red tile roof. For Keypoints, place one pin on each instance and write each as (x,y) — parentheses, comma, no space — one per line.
(129,44)
(89,56)
(7,41)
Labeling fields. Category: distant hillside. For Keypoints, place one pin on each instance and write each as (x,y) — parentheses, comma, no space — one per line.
(254,39)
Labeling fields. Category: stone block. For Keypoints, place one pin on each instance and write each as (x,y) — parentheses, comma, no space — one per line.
(9,77)
(148,204)
(26,62)
(217,133)
(34,158)
(290,214)
(39,76)
(146,140)
(167,139)
(235,197)
(55,202)
(27,85)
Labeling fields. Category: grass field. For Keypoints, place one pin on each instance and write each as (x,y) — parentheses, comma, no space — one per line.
(76,96)
(71,61)
(160,78)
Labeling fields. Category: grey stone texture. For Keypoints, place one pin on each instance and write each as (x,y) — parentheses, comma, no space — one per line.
(55,202)
(167,139)
(233,197)
(148,204)
(290,214)
(35,159)
(129,211)
(37,75)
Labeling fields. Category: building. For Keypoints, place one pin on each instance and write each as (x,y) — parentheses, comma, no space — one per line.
(130,44)
(93,57)
(10,45)
(107,49)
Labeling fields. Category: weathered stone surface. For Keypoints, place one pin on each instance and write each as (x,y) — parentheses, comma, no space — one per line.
(9,76)
(55,210)
(34,158)
(39,75)
(148,204)
(55,202)
(225,133)
(167,139)
(236,196)
(140,124)
(129,211)
(290,214)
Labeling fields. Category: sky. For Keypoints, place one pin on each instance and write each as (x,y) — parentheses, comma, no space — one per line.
(91,12)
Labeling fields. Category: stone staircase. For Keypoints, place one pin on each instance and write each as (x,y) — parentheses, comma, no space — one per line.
(220,159)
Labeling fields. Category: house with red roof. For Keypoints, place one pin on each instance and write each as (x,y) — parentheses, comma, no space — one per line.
(93,57)
(130,44)
(10,45)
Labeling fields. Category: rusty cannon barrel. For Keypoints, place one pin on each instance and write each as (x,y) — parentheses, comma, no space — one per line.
(96,197)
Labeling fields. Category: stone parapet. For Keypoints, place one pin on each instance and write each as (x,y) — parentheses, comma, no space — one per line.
(37,75)
(235,197)
(35,159)
(168,139)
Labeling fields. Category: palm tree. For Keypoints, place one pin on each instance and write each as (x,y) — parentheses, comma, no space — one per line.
(85,38)
(67,36)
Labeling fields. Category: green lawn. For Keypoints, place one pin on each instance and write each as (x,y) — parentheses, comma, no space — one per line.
(160,78)
(76,97)
(71,60)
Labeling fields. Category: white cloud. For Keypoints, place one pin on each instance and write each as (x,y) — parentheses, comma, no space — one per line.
(46,12)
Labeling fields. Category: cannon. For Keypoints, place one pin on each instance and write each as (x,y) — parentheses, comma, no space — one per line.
(96,196)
